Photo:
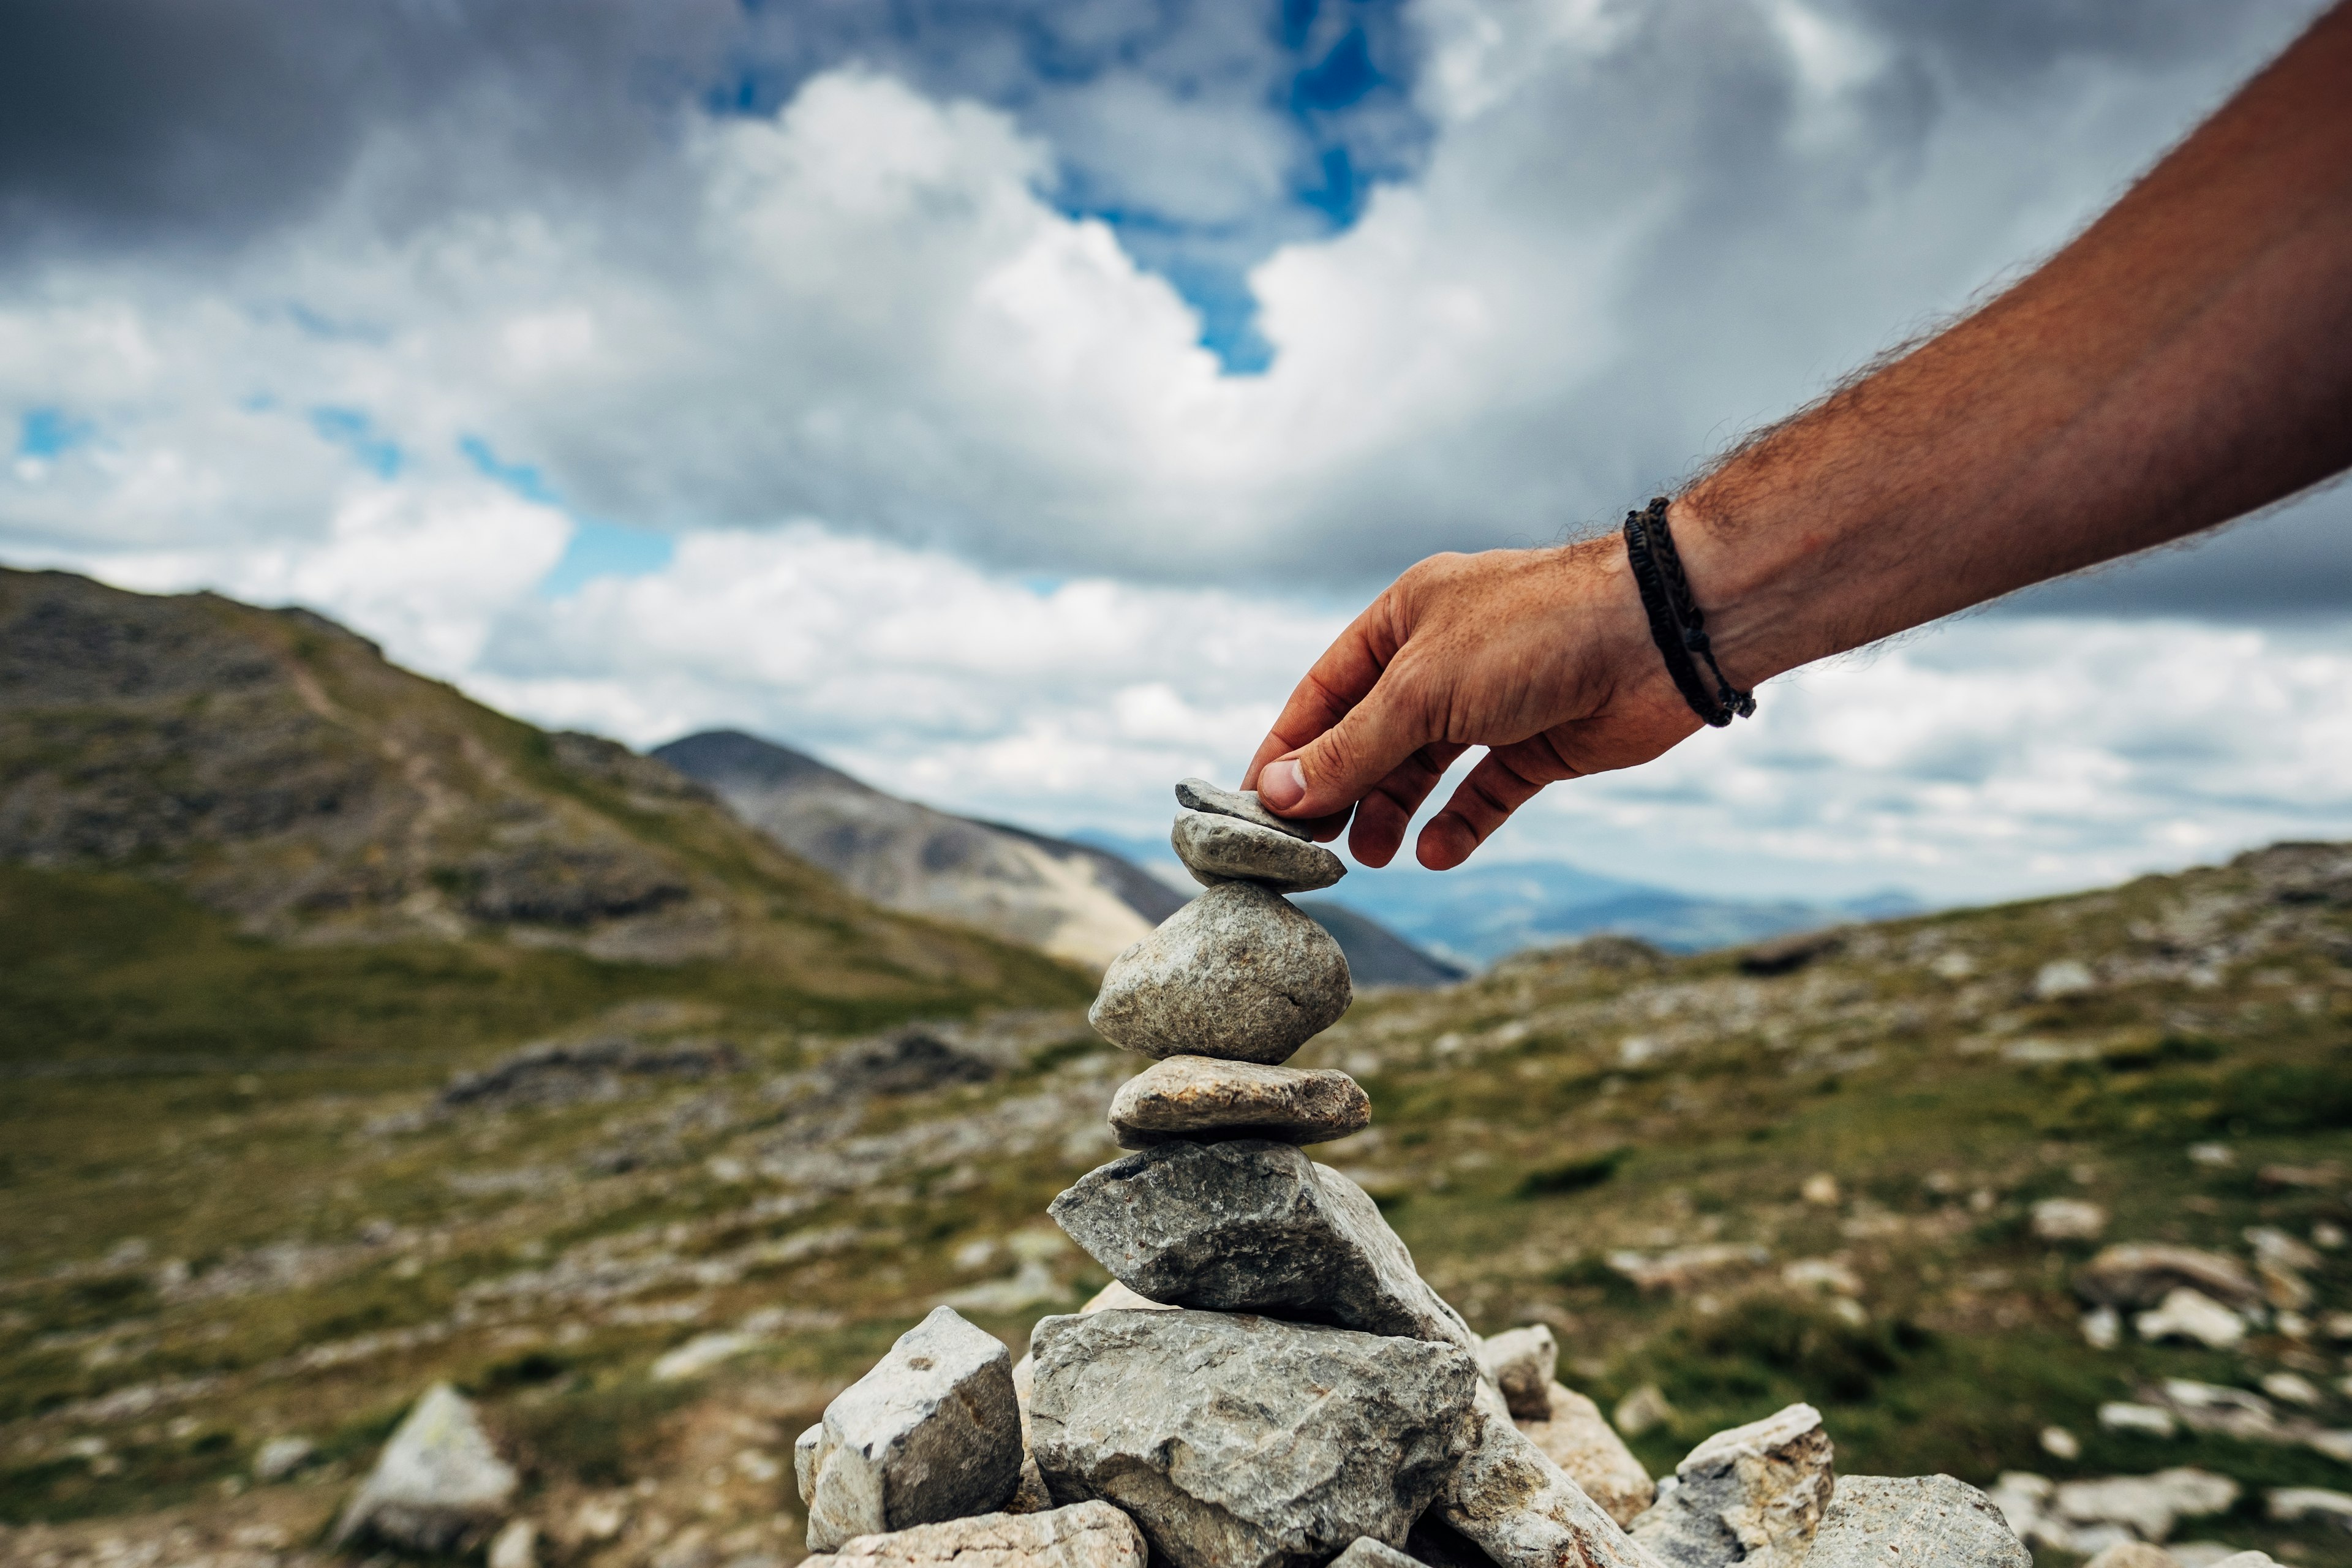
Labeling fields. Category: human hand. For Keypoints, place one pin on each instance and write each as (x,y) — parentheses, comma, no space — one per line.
(1543,656)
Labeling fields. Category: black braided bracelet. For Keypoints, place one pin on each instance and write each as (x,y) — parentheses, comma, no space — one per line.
(1676,625)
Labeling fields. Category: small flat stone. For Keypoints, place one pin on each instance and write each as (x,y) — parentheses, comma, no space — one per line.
(1202,1099)
(1751,1494)
(1919,1522)
(1083,1535)
(1254,1226)
(932,1432)
(1227,849)
(1237,974)
(1578,1438)
(1520,1363)
(1241,1442)
(1520,1510)
(1200,795)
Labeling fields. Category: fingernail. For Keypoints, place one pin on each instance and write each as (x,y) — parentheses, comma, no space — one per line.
(1282,785)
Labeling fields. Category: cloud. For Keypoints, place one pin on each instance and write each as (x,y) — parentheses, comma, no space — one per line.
(953,489)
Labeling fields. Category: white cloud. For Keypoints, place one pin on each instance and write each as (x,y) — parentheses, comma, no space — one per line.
(863,311)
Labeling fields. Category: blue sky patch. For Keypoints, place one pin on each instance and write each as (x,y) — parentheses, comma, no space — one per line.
(355,433)
(46,432)
(605,550)
(523,478)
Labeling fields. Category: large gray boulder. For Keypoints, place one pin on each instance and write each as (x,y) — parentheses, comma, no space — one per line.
(1242,1442)
(1085,1535)
(1751,1495)
(1205,1099)
(1918,1521)
(1237,974)
(1520,1510)
(439,1486)
(1217,849)
(1254,1226)
(932,1432)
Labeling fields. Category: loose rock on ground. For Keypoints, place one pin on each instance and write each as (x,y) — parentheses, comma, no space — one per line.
(1922,1521)
(439,1486)
(1083,1535)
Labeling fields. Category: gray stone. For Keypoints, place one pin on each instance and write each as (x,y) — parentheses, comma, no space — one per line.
(281,1456)
(932,1432)
(2146,1506)
(1521,1362)
(1241,1442)
(2141,1274)
(1919,1522)
(1237,974)
(1203,1099)
(1083,1535)
(1253,1227)
(1227,849)
(2134,1554)
(1520,1510)
(1200,795)
(1578,1438)
(1367,1552)
(439,1486)
(1752,1494)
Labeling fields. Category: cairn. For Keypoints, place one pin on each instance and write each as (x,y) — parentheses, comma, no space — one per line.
(1269,1382)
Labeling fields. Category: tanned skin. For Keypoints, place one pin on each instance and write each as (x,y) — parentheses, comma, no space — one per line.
(2186,361)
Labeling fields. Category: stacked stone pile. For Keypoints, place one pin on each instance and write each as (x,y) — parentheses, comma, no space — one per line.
(1270,1383)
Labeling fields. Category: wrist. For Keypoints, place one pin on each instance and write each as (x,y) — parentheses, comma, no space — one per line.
(1746,580)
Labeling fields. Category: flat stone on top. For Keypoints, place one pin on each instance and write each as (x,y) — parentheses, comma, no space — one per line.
(1227,849)
(1200,795)
(1237,974)
(1202,1098)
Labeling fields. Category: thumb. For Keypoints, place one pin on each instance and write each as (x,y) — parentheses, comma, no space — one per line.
(1339,767)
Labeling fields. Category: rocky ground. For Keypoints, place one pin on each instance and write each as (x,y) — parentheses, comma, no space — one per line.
(1872,1172)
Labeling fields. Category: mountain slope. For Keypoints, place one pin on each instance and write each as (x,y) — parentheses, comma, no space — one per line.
(1077,904)
(276,769)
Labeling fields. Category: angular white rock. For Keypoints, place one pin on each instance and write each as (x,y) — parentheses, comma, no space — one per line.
(1520,1361)
(1083,1535)
(2186,1314)
(1753,1494)
(1920,1521)
(1227,849)
(439,1485)
(932,1432)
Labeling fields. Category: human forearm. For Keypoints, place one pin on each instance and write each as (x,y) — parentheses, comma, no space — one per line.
(2186,360)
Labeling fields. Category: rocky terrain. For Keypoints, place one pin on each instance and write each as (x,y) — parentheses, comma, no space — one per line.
(1878,1171)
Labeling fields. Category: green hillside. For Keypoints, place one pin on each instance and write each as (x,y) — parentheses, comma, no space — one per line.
(1826,1175)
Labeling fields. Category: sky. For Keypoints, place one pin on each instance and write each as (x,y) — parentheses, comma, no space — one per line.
(1006,402)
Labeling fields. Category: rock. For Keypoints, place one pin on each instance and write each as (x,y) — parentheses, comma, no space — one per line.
(2068,1219)
(1588,1449)
(2217,1407)
(1922,1521)
(1237,974)
(2102,1330)
(2134,1554)
(439,1486)
(2293,1504)
(2060,1444)
(1218,849)
(516,1546)
(1199,794)
(1640,1410)
(2294,1388)
(2191,1315)
(932,1432)
(1200,1097)
(1083,1535)
(2148,1420)
(1753,1494)
(1521,1364)
(1367,1552)
(281,1456)
(1253,1227)
(2146,1506)
(1030,1496)
(2063,977)
(1241,1442)
(1520,1510)
(2141,1274)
